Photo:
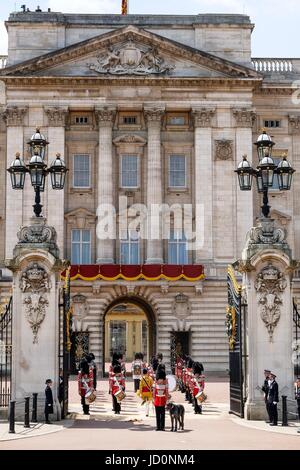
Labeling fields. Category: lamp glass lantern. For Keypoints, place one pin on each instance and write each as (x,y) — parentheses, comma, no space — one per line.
(37,144)
(37,170)
(264,145)
(265,176)
(245,174)
(17,171)
(58,172)
(285,175)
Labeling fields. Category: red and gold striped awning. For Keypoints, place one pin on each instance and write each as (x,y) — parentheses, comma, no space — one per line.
(148,272)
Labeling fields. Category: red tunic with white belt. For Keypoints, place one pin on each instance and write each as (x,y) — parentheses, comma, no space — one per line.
(118,382)
(161,392)
(198,384)
(85,381)
(179,368)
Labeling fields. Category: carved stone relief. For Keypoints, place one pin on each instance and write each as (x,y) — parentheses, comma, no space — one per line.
(223,149)
(80,307)
(181,306)
(130,59)
(35,283)
(270,283)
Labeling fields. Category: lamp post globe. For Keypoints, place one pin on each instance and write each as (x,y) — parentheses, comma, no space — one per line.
(245,174)
(38,144)
(17,171)
(58,172)
(284,174)
(264,145)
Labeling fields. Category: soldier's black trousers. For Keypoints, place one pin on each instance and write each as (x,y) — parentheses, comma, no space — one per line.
(160,417)
(136,384)
(273,413)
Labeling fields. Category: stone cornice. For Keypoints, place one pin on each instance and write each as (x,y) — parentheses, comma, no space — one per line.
(294,124)
(111,38)
(14,115)
(244,117)
(56,116)
(153,114)
(203,116)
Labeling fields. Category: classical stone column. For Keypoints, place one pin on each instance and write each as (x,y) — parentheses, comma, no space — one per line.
(56,199)
(14,118)
(245,119)
(153,117)
(36,271)
(294,130)
(105,117)
(267,267)
(203,183)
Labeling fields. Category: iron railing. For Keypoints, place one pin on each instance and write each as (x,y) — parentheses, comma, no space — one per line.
(5,355)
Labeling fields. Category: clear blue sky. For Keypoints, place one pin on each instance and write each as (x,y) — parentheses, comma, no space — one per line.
(277,22)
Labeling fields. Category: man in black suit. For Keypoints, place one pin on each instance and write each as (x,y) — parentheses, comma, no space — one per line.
(265,389)
(48,400)
(273,400)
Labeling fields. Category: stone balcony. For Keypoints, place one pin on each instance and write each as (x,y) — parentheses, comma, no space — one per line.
(276,67)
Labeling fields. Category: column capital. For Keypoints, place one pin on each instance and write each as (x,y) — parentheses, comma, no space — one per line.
(56,116)
(105,116)
(203,116)
(244,117)
(294,123)
(154,114)
(14,115)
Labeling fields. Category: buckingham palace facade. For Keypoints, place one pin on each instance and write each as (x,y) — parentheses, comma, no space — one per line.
(151,110)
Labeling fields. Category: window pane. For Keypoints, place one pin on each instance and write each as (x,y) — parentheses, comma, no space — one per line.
(75,254)
(75,235)
(124,253)
(81,176)
(86,253)
(86,235)
(182,253)
(129,171)
(134,259)
(177,171)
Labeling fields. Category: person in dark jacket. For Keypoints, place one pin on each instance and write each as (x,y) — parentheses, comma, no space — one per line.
(48,400)
(273,400)
(297,395)
(92,363)
(265,389)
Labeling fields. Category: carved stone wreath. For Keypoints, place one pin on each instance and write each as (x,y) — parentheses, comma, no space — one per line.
(270,283)
(34,283)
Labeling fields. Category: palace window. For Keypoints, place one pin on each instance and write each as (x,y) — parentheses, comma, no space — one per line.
(177,120)
(130,249)
(81,120)
(129,171)
(81,246)
(81,171)
(177,171)
(177,248)
(129,120)
(272,123)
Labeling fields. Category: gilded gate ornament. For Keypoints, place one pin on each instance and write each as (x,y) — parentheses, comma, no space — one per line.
(231,326)
(270,283)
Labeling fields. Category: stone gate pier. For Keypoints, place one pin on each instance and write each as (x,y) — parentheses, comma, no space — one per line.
(36,269)
(267,268)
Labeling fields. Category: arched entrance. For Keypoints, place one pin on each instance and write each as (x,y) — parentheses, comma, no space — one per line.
(129,327)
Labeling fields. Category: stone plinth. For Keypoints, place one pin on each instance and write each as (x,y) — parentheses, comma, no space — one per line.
(36,271)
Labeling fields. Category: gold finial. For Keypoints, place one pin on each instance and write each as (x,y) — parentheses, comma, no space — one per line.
(263,130)
(58,155)
(18,155)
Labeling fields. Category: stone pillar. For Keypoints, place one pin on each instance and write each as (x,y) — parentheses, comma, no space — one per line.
(294,130)
(267,266)
(56,199)
(153,117)
(245,119)
(14,117)
(36,271)
(105,117)
(204,183)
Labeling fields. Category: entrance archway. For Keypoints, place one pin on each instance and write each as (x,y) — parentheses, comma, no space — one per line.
(129,326)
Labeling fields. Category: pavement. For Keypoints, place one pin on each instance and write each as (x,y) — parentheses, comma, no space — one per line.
(132,430)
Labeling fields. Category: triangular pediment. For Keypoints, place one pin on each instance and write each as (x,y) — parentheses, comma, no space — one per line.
(130,51)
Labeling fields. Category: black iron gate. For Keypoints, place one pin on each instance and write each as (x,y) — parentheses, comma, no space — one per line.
(179,346)
(234,324)
(5,354)
(296,342)
(65,327)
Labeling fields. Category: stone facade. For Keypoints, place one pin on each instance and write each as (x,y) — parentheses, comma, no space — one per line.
(101,69)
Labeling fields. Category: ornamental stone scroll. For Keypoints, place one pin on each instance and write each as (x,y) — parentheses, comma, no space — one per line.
(35,284)
(270,284)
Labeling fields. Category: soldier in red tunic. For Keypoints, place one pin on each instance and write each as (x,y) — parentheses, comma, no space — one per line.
(161,395)
(85,382)
(118,383)
(198,386)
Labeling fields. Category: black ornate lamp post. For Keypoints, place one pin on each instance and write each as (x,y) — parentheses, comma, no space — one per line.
(265,172)
(38,170)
